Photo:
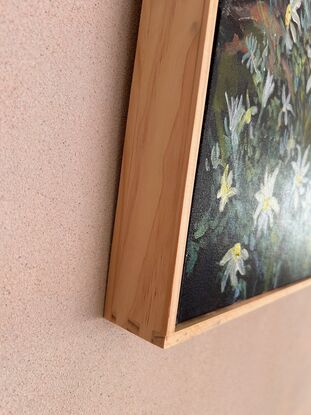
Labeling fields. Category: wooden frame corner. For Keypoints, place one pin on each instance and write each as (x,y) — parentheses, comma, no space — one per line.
(168,94)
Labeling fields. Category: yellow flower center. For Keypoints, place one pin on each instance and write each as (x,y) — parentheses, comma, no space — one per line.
(248,116)
(236,250)
(266,204)
(298,180)
(288,15)
(291,144)
(225,189)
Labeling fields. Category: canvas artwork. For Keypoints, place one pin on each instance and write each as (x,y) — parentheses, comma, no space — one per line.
(250,224)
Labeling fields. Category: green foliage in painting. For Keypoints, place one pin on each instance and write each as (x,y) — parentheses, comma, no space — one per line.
(252,203)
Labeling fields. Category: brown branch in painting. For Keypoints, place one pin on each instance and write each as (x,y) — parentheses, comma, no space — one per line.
(235,46)
(261,15)
(271,26)
(288,76)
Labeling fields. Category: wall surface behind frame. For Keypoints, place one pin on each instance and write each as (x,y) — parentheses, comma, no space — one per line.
(65,75)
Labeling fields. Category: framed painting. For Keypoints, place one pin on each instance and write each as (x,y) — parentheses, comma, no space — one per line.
(214,206)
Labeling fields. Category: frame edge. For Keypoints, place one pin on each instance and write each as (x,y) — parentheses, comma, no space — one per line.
(162,121)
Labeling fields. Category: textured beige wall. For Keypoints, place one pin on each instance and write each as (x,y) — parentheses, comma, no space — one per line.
(65,74)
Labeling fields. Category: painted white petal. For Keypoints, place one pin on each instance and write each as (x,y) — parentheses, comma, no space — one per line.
(234,279)
(287,100)
(299,155)
(296,18)
(293,32)
(241,266)
(259,196)
(266,176)
(226,258)
(295,167)
(290,108)
(305,156)
(296,200)
(224,281)
(232,192)
(305,169)
(275,205)
(260,224)
(230,178)
(244,254)
(302,191)
(303,173)
(270,218)
(223,203)
(274,176)
(296,4)
(283,95)
(257,213)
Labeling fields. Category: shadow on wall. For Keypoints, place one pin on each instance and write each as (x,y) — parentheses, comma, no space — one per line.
(113,151)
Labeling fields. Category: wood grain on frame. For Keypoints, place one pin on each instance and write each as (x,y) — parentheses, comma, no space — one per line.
(160,153)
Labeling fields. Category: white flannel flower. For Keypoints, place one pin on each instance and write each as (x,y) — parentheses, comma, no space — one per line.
(236,112)
(292,16)
(252,56)
(267,90)
(288,42)
(267,203)
(234,263)
(215,156)
(301,168)
(287,107)
(226,190)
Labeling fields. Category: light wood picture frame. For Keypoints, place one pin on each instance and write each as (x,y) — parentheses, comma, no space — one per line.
(166,110)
